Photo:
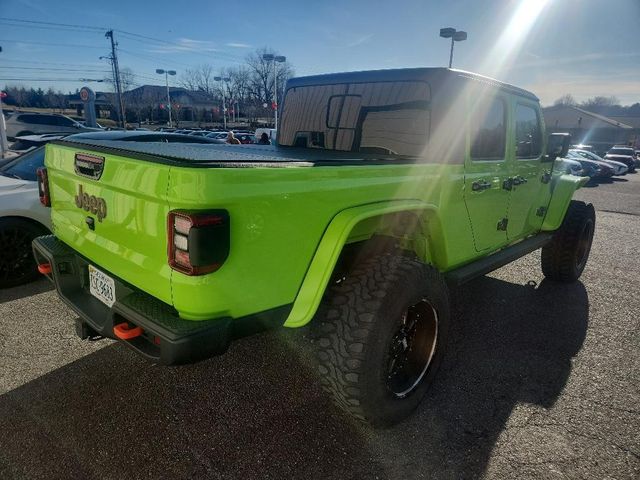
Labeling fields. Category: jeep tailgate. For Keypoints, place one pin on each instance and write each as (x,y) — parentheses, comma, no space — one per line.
(126,203)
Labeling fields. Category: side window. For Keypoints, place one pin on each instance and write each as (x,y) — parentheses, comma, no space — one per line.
(62,122)
(38,119)
(528,132)
(26,119)
(488,130)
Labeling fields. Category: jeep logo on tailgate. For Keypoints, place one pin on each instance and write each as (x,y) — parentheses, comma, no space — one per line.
(91,203)
(89,165)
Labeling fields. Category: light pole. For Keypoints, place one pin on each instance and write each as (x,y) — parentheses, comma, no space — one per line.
(269,57)
(455,36)
(166,74)
(224,104)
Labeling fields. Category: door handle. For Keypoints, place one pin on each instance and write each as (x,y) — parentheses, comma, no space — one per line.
(546,176)
(480,185)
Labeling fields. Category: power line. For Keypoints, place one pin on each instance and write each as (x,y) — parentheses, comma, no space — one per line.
(231,57)
(45,80)
(52,44)
(52,23)
(32,62)
(49,69)
(46,27)
(130,35)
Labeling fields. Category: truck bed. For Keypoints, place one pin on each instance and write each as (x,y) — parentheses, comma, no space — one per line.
(203,155)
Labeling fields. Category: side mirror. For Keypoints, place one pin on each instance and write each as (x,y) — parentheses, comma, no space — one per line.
(557,146)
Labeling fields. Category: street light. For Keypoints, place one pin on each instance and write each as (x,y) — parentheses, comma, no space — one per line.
(166,74)
(455,36)
(269,57)
(224,106)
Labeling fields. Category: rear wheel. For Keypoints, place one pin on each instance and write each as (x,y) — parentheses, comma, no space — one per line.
(17,265)
(380,337)
(565,257)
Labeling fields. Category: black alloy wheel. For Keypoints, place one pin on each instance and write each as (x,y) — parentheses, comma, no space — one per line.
(412,348)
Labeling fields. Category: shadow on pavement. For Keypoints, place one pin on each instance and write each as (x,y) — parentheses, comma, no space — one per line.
(509,344)
(257,412)
(39,286)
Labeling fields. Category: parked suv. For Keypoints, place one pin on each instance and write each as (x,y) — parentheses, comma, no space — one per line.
(624,154)
(21,124)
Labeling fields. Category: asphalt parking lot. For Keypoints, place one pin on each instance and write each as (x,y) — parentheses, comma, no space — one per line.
(541,380)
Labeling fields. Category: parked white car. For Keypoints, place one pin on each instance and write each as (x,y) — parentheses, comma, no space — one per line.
(22,218)
(567,165)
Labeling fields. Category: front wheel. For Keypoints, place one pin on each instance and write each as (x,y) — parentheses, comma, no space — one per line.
(380,337)
(565,257)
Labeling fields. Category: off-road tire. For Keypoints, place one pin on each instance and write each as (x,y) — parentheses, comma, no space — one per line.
(17,265)
(565,257)
(355,327)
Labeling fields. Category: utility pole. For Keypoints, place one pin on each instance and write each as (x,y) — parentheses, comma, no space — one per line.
(116,74)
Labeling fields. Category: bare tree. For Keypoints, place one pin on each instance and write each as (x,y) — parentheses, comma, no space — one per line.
(566,99)
(261,82)
(600,101)
(17,95)
(199,79)
(127,79)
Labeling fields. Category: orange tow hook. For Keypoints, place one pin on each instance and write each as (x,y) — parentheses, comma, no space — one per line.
(124,332)
(45,268)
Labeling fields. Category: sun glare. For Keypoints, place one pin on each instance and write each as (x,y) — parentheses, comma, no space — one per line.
(511,39)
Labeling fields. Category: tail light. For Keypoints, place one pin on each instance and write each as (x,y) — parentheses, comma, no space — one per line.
(43,187)
(198,241)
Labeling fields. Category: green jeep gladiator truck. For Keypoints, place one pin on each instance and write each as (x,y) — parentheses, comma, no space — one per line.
(386,189)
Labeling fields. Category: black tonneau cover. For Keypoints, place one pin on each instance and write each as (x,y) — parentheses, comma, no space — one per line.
(202,155)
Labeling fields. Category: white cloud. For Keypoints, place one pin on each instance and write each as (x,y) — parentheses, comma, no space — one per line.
(577,59)
(186,45)
(237,45)
(360,40)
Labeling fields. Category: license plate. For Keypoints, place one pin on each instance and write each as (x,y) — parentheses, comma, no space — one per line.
(102,286)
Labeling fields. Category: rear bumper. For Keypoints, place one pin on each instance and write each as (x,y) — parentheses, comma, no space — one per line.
(166,338)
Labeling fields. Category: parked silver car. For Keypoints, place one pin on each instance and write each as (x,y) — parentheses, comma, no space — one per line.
(26,123)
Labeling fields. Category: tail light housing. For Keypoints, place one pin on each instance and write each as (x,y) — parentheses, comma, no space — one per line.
(198,242)
(43,187)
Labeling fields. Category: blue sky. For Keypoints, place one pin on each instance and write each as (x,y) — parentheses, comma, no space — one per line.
(552,47)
